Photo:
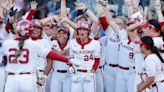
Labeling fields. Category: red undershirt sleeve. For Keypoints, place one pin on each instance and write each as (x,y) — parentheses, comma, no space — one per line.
(30,15)
(56,56)
(104,23)
(96,64)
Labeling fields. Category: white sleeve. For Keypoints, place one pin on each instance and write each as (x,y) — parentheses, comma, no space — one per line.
(70,49)
(97,51)
(150,65)
(122,33)
(3,35)
(103,40)
(42,51)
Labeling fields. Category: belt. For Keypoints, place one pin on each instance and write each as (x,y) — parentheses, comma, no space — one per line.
(41,70)
(79,70)
(62,71)
(156,84)
(100,67)
(162,80)
(125,68)
(19,73)
(113,65)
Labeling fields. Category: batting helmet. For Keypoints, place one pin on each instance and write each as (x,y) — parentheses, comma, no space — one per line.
(23,27)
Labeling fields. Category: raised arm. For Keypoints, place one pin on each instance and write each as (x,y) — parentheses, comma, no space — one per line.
(158,10)
(82,6)
(129,7)
(33,5)
(106,15)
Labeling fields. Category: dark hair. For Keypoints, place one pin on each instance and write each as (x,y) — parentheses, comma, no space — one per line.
(148,40)
(156,24)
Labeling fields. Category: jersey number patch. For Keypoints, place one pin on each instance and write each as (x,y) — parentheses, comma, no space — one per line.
(87,57)
(24,56)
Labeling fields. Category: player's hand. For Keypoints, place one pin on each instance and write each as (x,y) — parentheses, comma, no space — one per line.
(103,2)
(127,1)
(93,71)
(33,5)
(80,6)
(41,81)
(157,4)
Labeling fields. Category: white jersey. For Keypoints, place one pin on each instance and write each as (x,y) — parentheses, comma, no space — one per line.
(158,42)
(153,66)
(42,62)
(111,43)
(126,50)
(59,65)
(26,62)
(3,35)
(85,54)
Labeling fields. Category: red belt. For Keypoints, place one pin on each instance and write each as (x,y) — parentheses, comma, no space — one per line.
(19,73)
(62,71)
(113,65)
(79,70)
(162,80)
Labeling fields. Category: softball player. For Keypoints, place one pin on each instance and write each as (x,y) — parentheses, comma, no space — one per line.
(3,37)
(153,67)
(21,54)
(43,64)
(60,81)
(86,52)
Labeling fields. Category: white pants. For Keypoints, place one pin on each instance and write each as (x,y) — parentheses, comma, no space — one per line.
(99,81)
(48,81)
(21,83)
(109,78)
(2,79)
(60,82)
(79,84)
(125,80)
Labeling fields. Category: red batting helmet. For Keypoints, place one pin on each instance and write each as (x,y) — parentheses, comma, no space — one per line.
(23,27)
(84,25)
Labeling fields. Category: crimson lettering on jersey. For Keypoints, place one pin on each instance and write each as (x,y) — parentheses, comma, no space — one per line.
(24,53)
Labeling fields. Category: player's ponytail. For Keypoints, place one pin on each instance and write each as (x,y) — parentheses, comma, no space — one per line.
(21,43)
(156,51)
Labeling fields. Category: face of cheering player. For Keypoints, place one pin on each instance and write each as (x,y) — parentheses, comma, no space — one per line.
(54,32)
(120,22)
(148,31)
(46,29)
(62,36)
(36,32)
(83,33)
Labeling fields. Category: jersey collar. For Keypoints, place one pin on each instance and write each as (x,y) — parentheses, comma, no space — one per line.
(82,45)
(36,38)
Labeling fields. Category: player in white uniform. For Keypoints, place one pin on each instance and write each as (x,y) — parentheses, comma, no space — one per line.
(43,65)
(86,52)
(153,67)
(21,55)
(3,37)
(110,43)
(60,80)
